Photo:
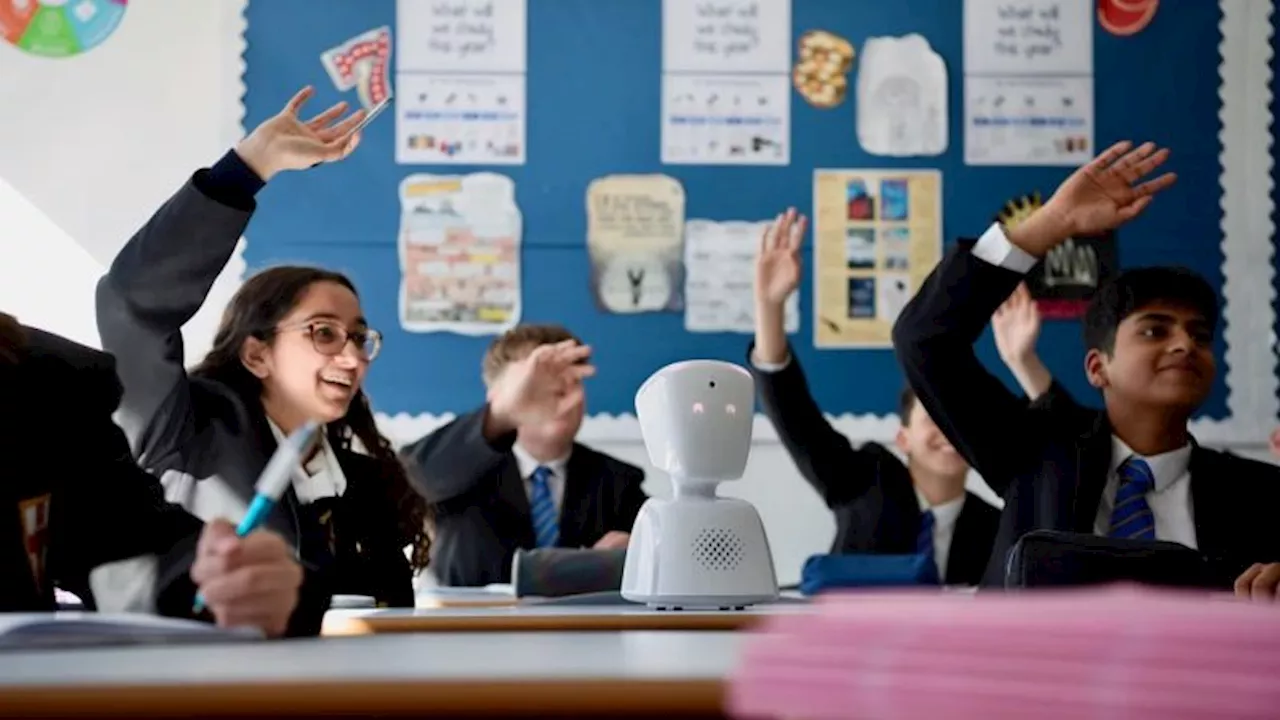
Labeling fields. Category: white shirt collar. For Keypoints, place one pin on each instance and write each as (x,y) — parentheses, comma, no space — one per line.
(527,463)
(324,476)
(1165,467)
(944,514)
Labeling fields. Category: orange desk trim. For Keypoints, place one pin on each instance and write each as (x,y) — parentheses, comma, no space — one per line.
(516,622)
(444,698)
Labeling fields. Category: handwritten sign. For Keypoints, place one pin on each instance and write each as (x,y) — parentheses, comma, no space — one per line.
(461,35)
(726,35)
(635,232)
(1028,37)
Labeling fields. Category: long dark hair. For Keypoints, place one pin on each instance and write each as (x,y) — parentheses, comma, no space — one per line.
(255,311)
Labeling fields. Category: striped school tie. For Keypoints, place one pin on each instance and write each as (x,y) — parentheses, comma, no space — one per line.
(546,525)
(924,541)
(1132,518)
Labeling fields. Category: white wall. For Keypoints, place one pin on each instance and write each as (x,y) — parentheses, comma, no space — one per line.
(99,140)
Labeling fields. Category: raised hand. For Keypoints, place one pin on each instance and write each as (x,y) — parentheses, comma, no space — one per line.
(778,263)
(541,386)
(286,142)
(251,581)
(1016,326)
(1106,192)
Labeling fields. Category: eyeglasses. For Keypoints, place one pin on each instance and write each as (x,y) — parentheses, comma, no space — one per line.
(330,338)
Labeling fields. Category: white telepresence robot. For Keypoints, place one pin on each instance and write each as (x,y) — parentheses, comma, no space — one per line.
(698,550)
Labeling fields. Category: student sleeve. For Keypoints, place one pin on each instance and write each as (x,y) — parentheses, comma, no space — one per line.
(112,510)
(455,459)
(996,431)
(825,457)
(156,284)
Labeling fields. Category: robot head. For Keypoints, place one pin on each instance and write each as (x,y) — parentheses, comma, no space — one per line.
(696,417)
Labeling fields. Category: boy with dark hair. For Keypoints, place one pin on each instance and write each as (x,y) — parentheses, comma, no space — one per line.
(1133,469)
(881,505)
(509,475)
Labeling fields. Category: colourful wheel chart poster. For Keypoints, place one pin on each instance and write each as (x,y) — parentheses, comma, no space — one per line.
(59,28)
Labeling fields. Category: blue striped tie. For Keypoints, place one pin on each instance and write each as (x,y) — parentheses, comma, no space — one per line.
(924,544)
(546,525)
(1131,517)
(924,540)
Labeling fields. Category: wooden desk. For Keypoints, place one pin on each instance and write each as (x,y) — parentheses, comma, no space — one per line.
(657,674)
(525,618)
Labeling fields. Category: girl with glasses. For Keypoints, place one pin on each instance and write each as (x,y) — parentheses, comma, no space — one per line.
(293,346)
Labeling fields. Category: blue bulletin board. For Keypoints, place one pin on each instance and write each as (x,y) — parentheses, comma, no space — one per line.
(594,70)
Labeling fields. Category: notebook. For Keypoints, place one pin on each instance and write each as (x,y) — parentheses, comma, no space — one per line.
(45,631)
(1116,652)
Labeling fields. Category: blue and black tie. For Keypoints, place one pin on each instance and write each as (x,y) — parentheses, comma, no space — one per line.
(1132,517)
(546,523)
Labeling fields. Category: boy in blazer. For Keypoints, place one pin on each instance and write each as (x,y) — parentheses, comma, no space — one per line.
(1131,470)
(509,474)
(881,505)
(76,507)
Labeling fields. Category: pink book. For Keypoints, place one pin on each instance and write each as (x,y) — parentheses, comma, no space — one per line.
(1119,652)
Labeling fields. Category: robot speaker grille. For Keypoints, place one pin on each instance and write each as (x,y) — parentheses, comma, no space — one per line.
(718,549)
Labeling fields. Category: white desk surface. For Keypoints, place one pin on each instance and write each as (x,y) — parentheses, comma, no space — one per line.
(552,617)
(553,672)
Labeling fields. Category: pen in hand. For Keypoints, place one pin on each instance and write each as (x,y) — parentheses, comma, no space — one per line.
(274,480)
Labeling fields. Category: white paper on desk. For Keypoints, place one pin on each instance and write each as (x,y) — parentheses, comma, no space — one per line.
(719,260)
(1028,37)
(44,631)
(902,97)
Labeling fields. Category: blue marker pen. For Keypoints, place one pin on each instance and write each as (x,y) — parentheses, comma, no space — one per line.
(274,480)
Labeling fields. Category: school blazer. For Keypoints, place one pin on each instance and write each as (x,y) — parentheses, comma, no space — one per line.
(76,499)
(482,509)
(1050,459)
(868,489)
(207,443)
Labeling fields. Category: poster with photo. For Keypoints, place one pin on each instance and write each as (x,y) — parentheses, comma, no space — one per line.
(877,234)
(635,238)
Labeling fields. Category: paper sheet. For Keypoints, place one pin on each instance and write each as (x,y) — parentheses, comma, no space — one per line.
(635,233)
(460,119)
(726,85)
(486,36)
(1028,37)
(720,275)
(877,235)
(726,120)
(1028,120)
(902,97)
(362,63)
(459,248)
(717,36)
(460,76)
(1028,88)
